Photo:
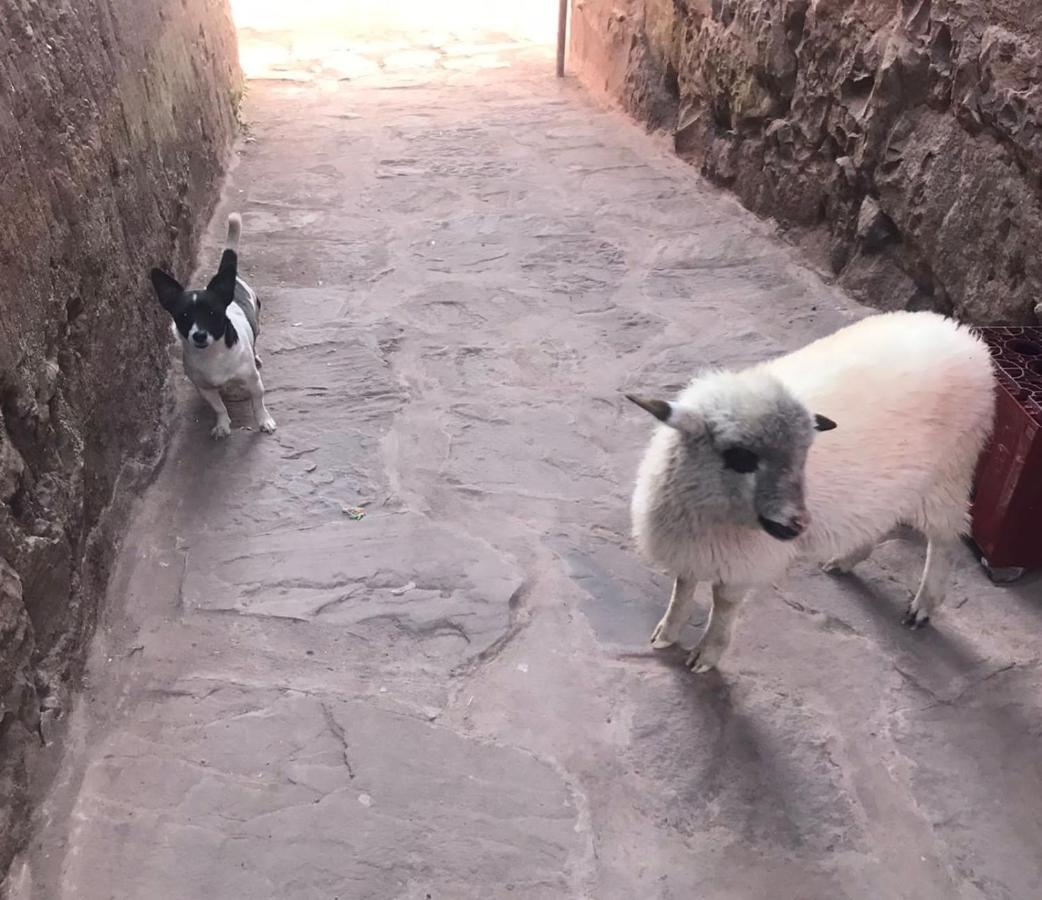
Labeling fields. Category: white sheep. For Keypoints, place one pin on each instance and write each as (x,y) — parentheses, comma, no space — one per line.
(738,485)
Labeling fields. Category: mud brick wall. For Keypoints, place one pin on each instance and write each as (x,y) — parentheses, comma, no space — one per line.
(116,120)
(900,141)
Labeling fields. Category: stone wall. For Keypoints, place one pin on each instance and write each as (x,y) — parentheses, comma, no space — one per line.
(116,119)
(900,141)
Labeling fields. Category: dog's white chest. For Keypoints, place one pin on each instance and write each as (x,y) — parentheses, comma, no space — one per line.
(218,365)
(215,367)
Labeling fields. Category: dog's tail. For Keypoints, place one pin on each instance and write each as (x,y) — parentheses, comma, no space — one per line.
(234,230)
(223,283)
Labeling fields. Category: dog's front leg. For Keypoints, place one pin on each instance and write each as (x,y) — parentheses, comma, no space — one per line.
(256,388)
(224,423)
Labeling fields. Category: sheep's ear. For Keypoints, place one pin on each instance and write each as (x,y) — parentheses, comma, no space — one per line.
(823,423)
(660,409)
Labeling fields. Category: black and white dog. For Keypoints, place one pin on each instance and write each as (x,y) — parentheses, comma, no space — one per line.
(218,328)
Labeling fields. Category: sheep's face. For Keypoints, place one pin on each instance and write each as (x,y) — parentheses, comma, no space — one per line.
(745,449)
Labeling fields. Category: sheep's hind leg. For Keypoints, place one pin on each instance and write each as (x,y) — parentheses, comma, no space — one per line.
(717,637)
(844,565)
(678,614)
(940,556)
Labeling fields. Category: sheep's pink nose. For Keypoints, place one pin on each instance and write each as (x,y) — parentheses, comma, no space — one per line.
(785,531)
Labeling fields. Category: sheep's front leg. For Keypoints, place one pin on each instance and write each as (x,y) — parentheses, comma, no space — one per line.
(678,614)
(844,565)
(707,653)
(940,557)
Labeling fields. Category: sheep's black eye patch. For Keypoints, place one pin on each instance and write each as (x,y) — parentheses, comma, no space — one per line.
(738,459)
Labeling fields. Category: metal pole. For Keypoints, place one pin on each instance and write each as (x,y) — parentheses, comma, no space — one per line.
(562,32)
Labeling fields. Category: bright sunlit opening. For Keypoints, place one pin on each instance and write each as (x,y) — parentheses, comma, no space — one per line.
(350,39)
(529,20)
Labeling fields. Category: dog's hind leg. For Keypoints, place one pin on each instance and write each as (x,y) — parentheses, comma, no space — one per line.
(224,423)
(256,388)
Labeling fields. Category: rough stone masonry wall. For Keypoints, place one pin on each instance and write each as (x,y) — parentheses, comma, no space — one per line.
(899,139)
(116,118)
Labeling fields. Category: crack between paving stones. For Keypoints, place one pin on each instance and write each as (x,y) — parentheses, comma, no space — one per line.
(338,732)
(939,700)
(417,714)
(438,627)
(518,621)
(828,622)
(972,686)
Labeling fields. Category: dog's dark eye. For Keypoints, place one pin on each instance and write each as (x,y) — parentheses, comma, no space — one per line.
(738,459)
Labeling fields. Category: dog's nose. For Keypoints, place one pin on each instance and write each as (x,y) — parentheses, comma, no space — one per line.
(200,338)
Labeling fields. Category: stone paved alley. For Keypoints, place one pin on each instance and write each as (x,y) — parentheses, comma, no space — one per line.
(464,263)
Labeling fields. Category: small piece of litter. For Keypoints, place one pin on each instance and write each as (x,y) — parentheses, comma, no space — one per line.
(365,800)
(310,467)
(522,667)
(354,513)
(404,589)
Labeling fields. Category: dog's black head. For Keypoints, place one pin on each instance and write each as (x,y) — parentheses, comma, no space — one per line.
(201,317)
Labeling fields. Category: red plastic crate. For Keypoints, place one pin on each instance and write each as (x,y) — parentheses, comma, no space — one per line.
(1007,505)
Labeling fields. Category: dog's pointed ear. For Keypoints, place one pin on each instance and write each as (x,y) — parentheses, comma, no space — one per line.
(167,288)
(823,423)
(223,283)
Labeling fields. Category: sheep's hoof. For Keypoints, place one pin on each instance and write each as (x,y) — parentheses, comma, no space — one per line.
(835,567)
(659,640)
(915,619)
(702,660)
(1005,575)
